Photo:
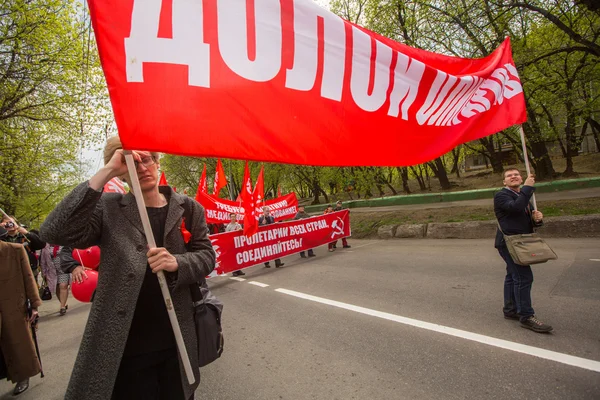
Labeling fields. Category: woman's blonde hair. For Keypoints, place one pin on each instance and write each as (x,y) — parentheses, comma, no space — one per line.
(113,144)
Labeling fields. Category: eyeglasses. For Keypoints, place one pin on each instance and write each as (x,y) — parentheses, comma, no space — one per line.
(146,162)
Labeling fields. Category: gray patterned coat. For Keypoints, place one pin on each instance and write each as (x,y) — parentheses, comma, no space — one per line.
(87,217)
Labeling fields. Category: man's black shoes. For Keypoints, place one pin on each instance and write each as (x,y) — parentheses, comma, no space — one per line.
(536,325)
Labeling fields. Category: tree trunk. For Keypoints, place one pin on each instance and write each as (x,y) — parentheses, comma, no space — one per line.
(595,131)
(492,154)
(437,166)
(404,174)
(455,160)
(542,164)
(570,140)
(419,178)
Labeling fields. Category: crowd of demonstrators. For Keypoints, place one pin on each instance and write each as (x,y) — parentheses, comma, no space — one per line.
(267,219)
(301,214)
(516,216)
(19,234)
(128,321)
(231,227)
(18,359)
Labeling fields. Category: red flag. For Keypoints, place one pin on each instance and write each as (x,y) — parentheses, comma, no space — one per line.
(114,186)
(326,84)
(246,190)
(247,198)
(201,183)
(163,180)
(220,178)
(259,189)
(278,191)
(250,216)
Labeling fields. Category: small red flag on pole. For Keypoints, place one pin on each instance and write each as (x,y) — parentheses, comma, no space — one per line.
(201,184)
(220,178)
(163,180)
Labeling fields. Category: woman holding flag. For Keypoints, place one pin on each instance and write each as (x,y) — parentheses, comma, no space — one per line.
(128,349)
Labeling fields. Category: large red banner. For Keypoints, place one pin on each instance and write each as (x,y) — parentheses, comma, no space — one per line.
(236,251)
(290,82)
(218,210)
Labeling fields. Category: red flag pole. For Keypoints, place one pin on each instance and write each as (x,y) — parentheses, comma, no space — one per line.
(526,159)
(137,191)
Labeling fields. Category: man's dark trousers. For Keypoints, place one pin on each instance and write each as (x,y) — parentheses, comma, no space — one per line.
(517,287)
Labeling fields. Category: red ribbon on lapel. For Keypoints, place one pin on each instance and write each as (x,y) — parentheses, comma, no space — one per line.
(184,232)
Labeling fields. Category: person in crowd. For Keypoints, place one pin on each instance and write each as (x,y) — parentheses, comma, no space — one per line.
(301,214)
(516,216)
(19,234)
(50,259)
(16,341)
(128,350)
(345,245)
(267,219)
(329,209)
(234,226)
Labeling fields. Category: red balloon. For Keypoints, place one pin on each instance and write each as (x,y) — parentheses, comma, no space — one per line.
(89,258)
(85,290)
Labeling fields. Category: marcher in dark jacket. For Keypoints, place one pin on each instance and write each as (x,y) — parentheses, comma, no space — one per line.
(345,245)
(267,219)
(16,342)
(301,214)
(128,349)
(516,216)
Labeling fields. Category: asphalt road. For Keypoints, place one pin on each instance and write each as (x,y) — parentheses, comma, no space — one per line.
(401,319)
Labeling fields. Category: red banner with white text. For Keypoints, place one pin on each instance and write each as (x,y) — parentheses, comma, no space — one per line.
(288,81)
(218,210)
(236,251)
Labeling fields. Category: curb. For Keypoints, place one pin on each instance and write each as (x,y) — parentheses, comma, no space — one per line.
(579,226)
(477,194)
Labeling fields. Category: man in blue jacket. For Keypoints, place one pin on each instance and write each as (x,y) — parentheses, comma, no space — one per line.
(516,216)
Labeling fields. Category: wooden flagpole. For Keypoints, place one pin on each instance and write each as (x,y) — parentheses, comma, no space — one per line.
(526,159)
(137,191)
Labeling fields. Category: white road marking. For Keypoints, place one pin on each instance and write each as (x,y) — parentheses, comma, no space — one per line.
(594,259)
(235,278)
(503,344)
(258,284)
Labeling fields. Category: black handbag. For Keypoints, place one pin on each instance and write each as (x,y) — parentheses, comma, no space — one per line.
(45,293)
(207,314)
(207,318)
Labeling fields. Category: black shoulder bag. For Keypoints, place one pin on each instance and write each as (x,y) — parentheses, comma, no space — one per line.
(207,312)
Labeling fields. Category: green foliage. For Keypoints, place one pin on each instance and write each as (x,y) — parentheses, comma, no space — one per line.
(49,71)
